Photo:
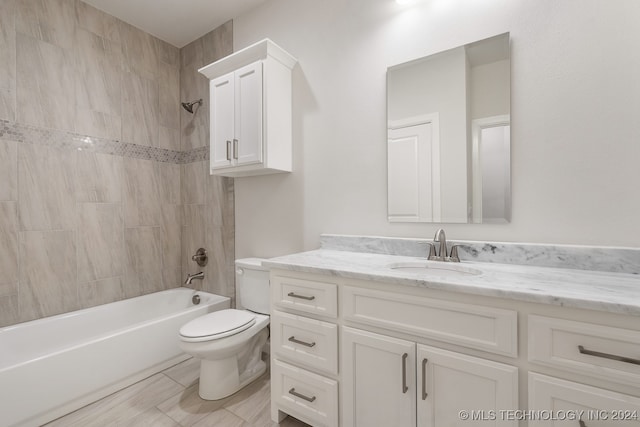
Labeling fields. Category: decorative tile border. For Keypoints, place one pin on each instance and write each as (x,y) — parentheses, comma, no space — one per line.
(74,141)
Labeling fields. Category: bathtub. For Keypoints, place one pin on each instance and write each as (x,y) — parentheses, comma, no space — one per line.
(52,366)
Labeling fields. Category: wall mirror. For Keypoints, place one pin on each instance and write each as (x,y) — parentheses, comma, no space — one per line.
(448,135)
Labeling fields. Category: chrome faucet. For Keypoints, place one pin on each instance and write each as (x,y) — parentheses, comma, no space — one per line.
(442,253)
(192,277)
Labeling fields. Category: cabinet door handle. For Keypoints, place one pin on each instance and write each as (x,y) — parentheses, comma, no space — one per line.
(404,373)
(229,150)
(307,344)
(301,396)
(608,356)
(292,295)
(235,149)
(424,378)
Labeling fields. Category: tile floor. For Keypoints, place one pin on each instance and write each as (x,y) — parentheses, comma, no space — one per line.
(170,399)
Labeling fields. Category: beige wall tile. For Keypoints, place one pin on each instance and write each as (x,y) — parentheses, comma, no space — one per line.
(140,51)
(8,102)
(8,246)
(139,110)
(220,199)
(8,63)
(99,177)
(8,170)
(101,292)
(9,314)
(45,84)
(220,271)
(194,237)
(167,53)
(218,43)
(170,182)
(98,85)
(194,127)
(98,124)
(46,184)
(169,138)
(171,231)
(96,21)
(52,21)
(192,55)
(143,266)
(142,193)
(100,241)
(193,181)
(47,273)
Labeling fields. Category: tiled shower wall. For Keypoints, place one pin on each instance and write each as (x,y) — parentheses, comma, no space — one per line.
(208,203)
(91,160)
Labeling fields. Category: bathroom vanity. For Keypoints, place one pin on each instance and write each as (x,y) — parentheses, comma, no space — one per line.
(368,339)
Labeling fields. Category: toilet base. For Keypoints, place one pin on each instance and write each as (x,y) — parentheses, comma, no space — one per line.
(219,378)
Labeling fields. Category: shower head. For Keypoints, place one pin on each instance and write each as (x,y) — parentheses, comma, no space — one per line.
(189,105)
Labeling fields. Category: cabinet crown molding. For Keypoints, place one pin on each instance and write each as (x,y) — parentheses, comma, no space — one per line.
(256,52)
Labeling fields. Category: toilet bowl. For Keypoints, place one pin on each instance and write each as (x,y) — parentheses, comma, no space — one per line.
(229,343)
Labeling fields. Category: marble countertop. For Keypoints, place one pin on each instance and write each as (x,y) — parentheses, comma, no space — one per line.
(595,290)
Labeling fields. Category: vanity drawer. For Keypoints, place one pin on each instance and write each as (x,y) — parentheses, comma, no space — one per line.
(308,296)
(307,341)
(484,328)
(595,350)
(310,397)
(596,407)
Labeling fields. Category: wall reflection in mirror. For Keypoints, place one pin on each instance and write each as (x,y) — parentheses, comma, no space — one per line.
(448,142)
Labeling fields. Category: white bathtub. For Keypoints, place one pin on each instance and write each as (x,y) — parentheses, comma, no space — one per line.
(52,366)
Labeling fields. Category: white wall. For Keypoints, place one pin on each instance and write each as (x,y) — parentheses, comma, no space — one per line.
(575,126)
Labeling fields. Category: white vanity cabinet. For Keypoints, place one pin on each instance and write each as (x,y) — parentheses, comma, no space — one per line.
(590,350)
(250,111)
(356,352)
(304,349)
(387,380)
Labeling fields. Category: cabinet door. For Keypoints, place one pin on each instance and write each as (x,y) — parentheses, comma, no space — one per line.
(248,114)
(378,380)
(222,121)
(451,382)
(566,402)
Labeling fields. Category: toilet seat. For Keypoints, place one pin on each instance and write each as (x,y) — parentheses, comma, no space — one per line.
(216,325)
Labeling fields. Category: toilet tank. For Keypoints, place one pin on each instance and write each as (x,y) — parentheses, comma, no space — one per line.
(252,285)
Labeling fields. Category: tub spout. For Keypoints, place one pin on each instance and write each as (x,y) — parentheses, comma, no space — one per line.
(192,277)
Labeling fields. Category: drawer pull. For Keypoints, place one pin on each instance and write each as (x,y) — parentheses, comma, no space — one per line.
(301,396)
(306,344)
(424,379)
(404,373)
(608,356)
(292,295)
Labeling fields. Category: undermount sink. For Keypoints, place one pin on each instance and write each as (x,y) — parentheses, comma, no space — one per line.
(437,268)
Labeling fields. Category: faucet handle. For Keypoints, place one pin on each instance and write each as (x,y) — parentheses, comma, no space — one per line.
(432,251)
(453,256)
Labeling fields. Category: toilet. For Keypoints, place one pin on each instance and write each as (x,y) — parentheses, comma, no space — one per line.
(229,343)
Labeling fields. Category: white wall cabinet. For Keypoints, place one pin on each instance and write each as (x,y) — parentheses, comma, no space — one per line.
(390,381)
(251,125)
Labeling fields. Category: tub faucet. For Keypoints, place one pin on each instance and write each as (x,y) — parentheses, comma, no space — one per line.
(192,277)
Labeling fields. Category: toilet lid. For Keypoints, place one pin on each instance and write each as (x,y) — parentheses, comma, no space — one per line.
(218,324)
